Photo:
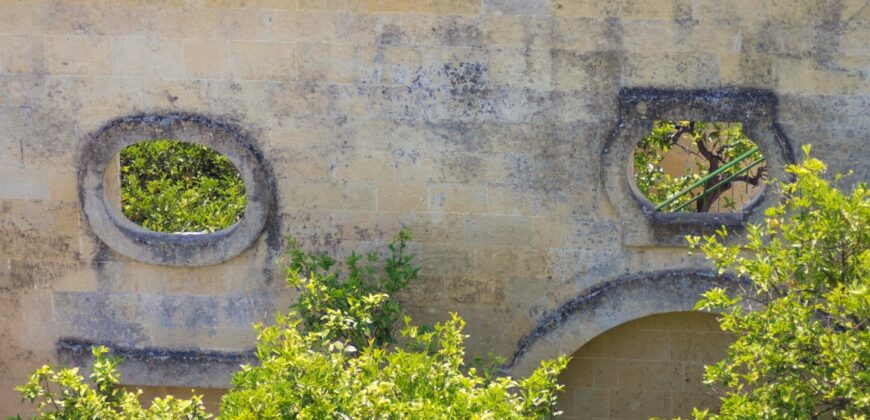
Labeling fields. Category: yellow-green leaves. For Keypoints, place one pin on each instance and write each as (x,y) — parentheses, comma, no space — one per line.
(802,327)
(172,187)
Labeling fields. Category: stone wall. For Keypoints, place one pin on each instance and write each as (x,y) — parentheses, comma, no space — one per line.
(650,367)
(479,124)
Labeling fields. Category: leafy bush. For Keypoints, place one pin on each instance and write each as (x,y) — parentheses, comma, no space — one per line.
(171,186)
(334,358)
(76,399)
(802,326)
(304,375)
(331,303)
(710,145)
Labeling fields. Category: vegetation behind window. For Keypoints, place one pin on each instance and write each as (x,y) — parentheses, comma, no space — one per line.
(698,166)
(176,187)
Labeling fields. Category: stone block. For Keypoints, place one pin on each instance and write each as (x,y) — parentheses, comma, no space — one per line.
(698,346)
(181,311)
(498,230)
(189,95)
(100,316)
(403,197)
(436,228)
(205,59)
(249,25)
(647,9)
(636,403)
(172,22)
(517,7)
(136,57)
(735,12)
(262,61)
(450,7)
(447,261)
(670,70)
(457,198)
(327,195)
(523,68)
(39,229)
(313,26)
(363,166)
(518,30)
(91,56)
(388,64)
(651,375)
(589,402)
(355,6)
(334,63)
(605,371)
(260,4)
(578,71)
(475,290)
(579,373)
(648,345)
(21,54)
(507,261)
(20,17)
(585,8)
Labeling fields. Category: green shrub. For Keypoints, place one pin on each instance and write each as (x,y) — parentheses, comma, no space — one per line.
(334,359)
(171,186)
(802,326)
(330,302)
(73,398)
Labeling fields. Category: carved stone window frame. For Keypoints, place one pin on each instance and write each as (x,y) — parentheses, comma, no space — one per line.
(638,109)
(122,235)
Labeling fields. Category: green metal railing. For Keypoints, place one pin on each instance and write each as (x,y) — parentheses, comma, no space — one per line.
(708,177)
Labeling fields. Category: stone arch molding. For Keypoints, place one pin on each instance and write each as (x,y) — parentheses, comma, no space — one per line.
(638,109)
(130,239)
(569,327)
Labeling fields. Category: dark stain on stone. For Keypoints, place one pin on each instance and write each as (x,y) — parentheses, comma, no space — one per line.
(80,347)
(390,35)
(76,351)
(466,78)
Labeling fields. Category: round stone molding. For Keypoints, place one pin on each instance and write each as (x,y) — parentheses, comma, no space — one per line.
(638,109)
(567,328)
(138,243)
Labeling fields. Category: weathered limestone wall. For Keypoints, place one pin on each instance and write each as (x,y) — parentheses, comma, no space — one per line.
(650,367)
(480,124)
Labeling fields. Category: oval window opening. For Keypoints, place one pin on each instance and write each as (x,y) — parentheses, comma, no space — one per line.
(698,166)
(175,187)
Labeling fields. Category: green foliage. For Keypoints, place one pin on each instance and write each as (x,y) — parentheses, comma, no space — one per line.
(711,145)
(171,186)
(334,359)
(359,307)
(304,376)
(105,399)
(802,346)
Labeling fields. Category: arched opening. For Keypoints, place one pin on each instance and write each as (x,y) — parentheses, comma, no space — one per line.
(649,367)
